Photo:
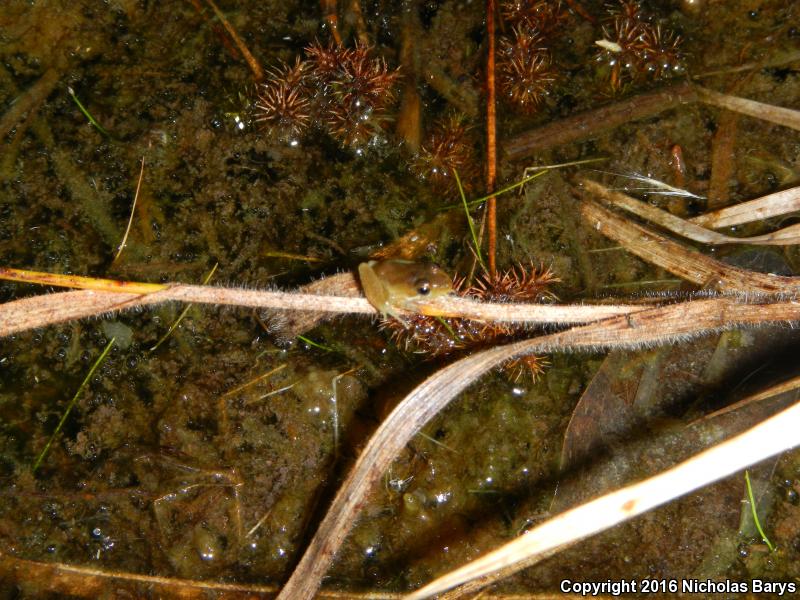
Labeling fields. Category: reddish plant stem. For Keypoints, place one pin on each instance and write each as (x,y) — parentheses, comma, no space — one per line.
(329,9)
(575,6)
(723,158)
(491,139)
(255,66)
(219,31)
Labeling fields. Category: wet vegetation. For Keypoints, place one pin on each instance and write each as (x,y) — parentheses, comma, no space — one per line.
(213,456)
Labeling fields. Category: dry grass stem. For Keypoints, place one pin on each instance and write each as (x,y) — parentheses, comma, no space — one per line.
(86,582)
(47,309)
(663,324)
(688,229)
(103,295)
(133,210)
(792,385)
(80,282)
(684,262)
(744,106)
(532,314)
(772,436)
(772,205)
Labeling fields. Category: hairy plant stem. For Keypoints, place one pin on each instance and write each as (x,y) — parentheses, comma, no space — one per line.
(104,295)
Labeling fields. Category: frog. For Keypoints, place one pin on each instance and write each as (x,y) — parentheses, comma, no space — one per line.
(394,285)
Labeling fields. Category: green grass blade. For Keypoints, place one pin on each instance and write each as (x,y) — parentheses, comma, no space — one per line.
(87,114)
(314,344)
(71,404)
(755,513)
(540,171)
(447,326)
(508,188)
(469,220)
(182,315)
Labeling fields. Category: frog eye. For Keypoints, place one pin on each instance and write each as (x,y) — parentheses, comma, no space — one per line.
(423,287)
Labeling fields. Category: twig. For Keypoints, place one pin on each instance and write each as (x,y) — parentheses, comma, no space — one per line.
(87,582)
(408,124)
(595,121)
(598,120)
(219,30)
(723,156)
(774,61)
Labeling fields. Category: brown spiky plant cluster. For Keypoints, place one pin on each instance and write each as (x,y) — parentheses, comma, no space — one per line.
(345,90)
(543,15)
(449,147)
(525,71)
(633,49)
(283,106)
(442,336)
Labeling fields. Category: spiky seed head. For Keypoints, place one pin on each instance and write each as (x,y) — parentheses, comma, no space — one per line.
(525,71)
(543,15)
(449,147)
(283,109)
